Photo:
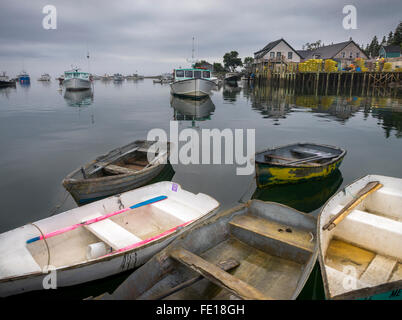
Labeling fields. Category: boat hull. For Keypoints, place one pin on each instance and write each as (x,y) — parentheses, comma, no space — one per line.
(76,84)
(268,174)
(7,84)
(89,190)
(194,88)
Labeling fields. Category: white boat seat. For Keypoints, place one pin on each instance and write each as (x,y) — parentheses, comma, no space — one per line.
(379,270)
(177,209)
(387,200)
(111,233)
(370,231)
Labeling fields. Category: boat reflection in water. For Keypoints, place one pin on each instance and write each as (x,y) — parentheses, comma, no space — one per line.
(230,92)
(79,98)
(305,197)
(186,109)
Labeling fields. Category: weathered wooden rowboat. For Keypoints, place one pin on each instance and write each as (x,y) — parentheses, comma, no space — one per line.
(120,170)
(99,239)
(296,163)
(258,250)
(360,237)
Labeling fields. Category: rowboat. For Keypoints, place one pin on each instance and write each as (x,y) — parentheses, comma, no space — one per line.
(99,239)
(257,250)
(360,236)
(120,170)
(296,162)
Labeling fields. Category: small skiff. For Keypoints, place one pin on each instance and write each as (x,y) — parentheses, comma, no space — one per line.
(258,250)
(296,163)
(99,239)
(120,170)
(360,237)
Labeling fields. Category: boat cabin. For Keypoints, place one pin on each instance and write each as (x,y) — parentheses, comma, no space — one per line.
(197,73)
(76,74)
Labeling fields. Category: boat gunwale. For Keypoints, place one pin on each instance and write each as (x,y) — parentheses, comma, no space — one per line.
(191,79)
(357,293)
(319,165)
(111,256)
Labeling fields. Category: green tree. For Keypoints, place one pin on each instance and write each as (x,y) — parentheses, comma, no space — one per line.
(231,60)
(374,47)
(218,67)
(200,63)
(397,39)
(390,38)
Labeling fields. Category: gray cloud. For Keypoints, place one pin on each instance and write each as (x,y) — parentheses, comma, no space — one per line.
(154,36)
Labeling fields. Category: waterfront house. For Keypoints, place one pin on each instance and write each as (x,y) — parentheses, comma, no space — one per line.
(344,52)
(277,51)
(390,51)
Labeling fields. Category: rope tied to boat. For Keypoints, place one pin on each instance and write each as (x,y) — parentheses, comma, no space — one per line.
(60,205)
(47,246)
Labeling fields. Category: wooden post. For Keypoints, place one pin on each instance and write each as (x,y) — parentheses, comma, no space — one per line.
(364,82)
(351,83)
(339,83)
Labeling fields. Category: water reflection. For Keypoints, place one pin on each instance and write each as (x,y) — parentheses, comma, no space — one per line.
(230,91)
(277,103)
(5,91)
(305,197)
(271,103)
(79,98)
(191,110)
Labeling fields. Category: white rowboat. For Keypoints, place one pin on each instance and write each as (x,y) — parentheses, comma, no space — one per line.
(96,246)
(361,255)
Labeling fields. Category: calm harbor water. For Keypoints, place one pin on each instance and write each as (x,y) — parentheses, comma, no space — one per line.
(46,133)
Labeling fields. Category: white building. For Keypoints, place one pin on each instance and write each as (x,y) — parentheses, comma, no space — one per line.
(276,51)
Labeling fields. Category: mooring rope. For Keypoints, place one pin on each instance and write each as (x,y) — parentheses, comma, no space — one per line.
(47,246)
(60,205)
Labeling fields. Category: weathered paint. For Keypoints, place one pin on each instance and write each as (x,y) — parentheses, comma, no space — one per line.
(268,174)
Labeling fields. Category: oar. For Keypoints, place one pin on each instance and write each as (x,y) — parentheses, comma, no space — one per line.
(111,161)
(361,195)
(75,226)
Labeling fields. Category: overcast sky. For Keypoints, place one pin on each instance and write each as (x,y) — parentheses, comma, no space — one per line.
(155,36)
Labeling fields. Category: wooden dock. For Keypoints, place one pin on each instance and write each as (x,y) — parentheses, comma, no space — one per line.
(321,82)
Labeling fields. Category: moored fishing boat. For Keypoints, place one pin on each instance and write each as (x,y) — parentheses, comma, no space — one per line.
(232,76)
(360,235)
(44,77)
(194,83)
(296,162)
(269,249)
(120,170)
(24,78)
(5,81)
(76,80)
(99,239)
(117,77)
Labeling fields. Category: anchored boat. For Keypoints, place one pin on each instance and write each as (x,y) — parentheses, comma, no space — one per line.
(100,239)
(120,170)
(258,250)
(44,77)
(5,81)
(76,80)
(360,237)
(296,163)
(194,83)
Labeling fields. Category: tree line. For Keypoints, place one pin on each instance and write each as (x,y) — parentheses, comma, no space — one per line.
(231,61)
(394,38)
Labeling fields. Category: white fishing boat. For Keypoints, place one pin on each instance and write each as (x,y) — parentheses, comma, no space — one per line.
(44,77)
(231,76)
(118,77)
(194,83)
(76,80)
(99,239)
(360,236)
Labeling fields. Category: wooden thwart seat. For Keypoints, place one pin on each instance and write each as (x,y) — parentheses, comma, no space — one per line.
(111,233)
(217,275)
(113,169)
(273,230)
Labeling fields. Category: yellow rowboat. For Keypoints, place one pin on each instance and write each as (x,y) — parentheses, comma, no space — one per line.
(360,234)
(296,163)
